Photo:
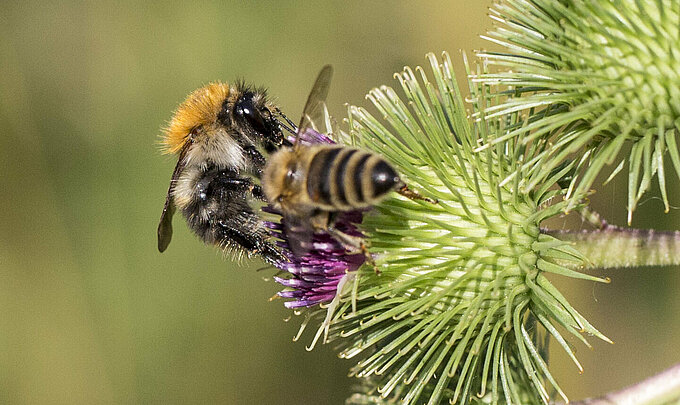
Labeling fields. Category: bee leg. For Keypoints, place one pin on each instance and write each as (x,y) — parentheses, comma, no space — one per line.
(237,184)
(256,159)
(413,195)
(231,218)
(369,258)
(352,244)
(226,181)
(293,127)
(253,241)
(258,193)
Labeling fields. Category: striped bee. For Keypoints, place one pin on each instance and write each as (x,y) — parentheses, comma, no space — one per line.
(311,184)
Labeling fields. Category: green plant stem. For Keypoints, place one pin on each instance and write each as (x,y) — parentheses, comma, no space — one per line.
(663,388)
(615,247)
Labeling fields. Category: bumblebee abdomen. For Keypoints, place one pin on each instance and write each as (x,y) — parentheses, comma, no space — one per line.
(344,179)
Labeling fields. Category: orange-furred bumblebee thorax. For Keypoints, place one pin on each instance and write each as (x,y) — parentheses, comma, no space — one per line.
(199,110)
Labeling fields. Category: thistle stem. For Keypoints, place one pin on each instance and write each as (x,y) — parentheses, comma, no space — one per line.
(663,388)
(616,247)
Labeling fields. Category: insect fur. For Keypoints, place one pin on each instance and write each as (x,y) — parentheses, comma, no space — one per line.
(221,134)
(310,184)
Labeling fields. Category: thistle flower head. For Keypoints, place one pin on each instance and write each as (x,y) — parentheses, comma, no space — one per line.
(592,76)
(313,278)
(462,303)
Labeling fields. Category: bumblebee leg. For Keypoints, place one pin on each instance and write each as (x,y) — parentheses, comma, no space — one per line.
(231,181)
(258,193)
(292,129)
(255,157)
(228,219)
(225,181)
(252,242)
(413,195)
(243,184)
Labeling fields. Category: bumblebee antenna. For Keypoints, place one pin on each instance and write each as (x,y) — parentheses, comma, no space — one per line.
(287,128)
(288,121)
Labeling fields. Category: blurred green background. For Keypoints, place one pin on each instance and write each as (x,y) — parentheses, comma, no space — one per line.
(90,312)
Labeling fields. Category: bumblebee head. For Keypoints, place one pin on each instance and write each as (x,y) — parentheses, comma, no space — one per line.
(252,115)
(217,117)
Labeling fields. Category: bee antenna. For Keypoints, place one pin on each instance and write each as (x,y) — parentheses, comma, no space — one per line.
(291,123)
(284,126)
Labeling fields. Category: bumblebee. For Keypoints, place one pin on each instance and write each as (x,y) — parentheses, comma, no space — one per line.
(311,183)
(221,134)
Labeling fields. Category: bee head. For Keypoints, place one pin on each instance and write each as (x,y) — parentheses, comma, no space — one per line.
(240,111)
(217,122)
(250,114)
(281,176)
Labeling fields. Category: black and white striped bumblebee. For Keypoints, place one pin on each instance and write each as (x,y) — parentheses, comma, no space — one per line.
(221,134)
(311,183)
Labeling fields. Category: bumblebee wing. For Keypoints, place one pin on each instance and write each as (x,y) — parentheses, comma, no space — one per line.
(165,224)
(315,107)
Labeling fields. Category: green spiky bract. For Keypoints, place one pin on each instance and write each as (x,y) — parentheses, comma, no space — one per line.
(593,76)
(462,303)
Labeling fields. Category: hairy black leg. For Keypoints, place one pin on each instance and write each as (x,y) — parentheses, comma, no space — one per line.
(230,181)
(222,214)
(252,242)
(256,159)
(258,193)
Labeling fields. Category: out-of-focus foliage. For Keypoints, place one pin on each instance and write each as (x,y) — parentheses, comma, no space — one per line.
(90,312)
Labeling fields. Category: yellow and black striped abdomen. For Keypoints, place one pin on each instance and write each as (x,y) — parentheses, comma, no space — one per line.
(344,179)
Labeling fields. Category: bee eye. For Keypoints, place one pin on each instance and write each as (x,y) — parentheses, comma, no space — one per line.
(248,112)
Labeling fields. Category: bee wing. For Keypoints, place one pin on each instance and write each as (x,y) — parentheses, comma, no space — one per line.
(165,224)
(331,124)
(315,107)
(299,234)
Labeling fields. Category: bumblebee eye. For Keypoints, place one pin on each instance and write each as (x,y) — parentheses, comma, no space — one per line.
(245,109)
